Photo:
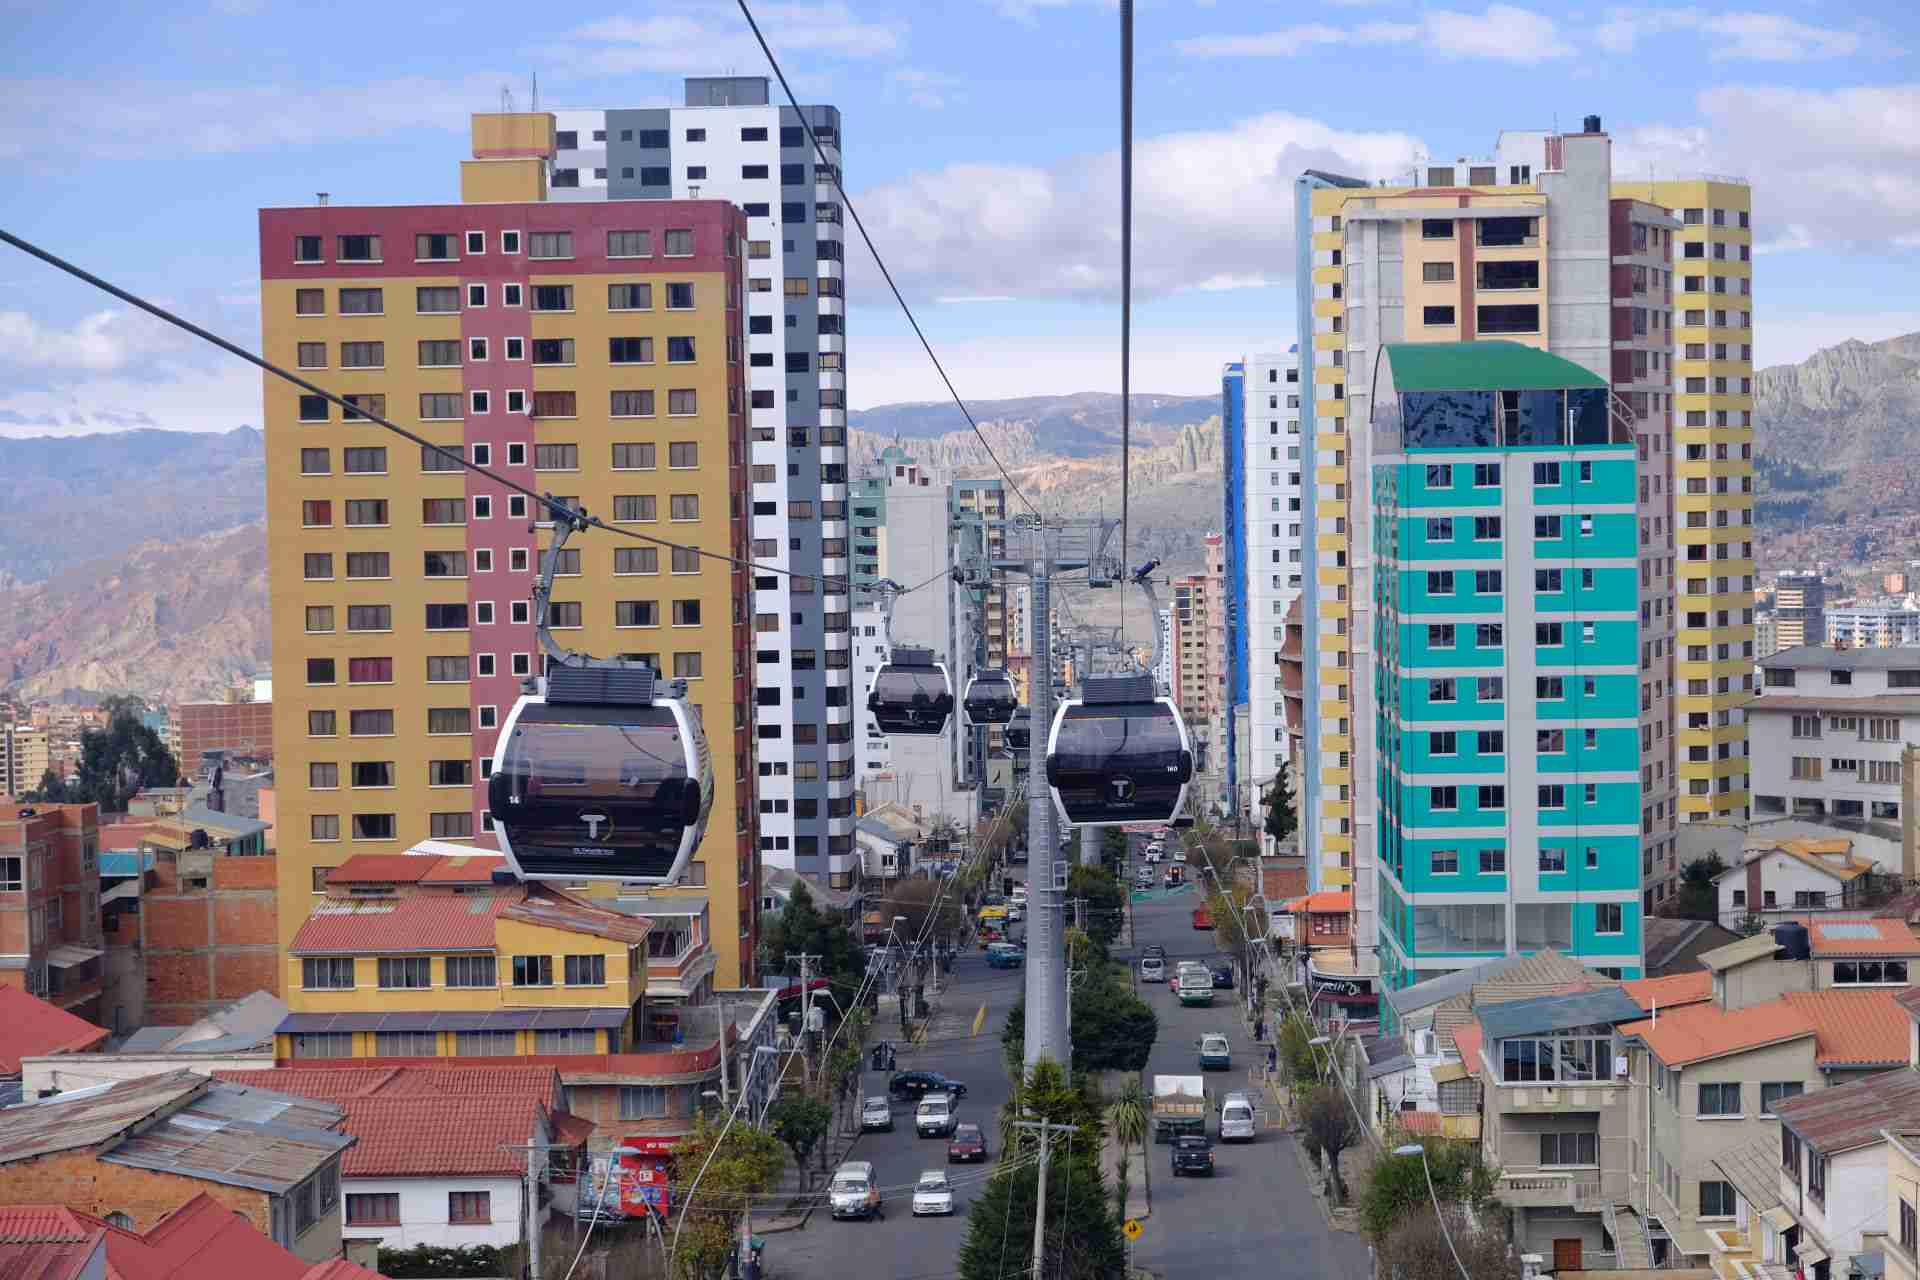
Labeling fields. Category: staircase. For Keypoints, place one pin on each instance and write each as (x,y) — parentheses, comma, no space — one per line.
(1632,1247)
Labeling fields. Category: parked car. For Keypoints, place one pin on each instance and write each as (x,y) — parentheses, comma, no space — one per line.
(1193,1155)
(1179,855)
(1153,969)
(916,1084)
(876,1114)
(1143,878)
(853,1193)
(1202,918)
(1154,949)
(933,1194)
(1004,955)
(934,1117)
(1216,1053)
(968,1143)
(1222,974)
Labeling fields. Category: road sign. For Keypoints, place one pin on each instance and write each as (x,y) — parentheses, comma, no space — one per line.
(1133,1229)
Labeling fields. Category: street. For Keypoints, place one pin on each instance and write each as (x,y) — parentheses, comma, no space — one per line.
(1254,1212)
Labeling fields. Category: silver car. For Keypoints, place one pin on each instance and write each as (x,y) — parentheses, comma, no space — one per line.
(1153,969)
(876,1113)
(933,1194)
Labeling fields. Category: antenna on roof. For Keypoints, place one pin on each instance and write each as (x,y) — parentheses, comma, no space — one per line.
(536,92)
(506,99)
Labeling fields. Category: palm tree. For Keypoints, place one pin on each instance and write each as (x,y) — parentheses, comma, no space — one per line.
(1127,1116)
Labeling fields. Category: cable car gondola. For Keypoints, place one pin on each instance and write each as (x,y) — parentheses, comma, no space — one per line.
(1119,754)
(991,697)
(1018,734)
(911,694)
(601,771)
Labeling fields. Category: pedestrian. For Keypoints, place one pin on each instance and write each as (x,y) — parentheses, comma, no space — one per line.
(1259,1029)
(1273,1059)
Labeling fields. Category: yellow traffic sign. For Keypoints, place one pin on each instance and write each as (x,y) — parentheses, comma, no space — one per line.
(1133,1228)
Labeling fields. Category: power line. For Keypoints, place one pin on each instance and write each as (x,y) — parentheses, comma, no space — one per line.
(821,154)
(560,511)
(1126,279)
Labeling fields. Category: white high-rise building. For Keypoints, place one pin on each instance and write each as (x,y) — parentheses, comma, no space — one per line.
(1271,483)
(731,141)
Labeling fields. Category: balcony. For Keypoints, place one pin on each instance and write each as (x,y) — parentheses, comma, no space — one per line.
(1546,1191)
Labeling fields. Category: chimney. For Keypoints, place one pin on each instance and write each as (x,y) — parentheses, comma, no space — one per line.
(1591,124)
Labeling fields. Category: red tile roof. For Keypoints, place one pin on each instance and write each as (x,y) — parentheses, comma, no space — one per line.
(1890,938)
(380,868)
(29,1025)
(1674,989)
(1331,901)
(461,922)
(536,1083)
(442,1137)
(201,1238)
(46,1242)
(1856,1028)
(1695,1032)
(474,868)
(1467,1040)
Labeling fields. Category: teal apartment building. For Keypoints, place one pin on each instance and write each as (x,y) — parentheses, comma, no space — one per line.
(1507,687)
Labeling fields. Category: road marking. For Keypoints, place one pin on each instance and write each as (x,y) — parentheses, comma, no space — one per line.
(980,1018)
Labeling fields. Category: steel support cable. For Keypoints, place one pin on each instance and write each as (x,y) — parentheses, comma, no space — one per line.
(820,154)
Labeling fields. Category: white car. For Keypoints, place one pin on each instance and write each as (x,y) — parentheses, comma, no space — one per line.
(932,1194)
(875,1113)
(1015,913)
(1153,969)
(1179,855)
(1153,856)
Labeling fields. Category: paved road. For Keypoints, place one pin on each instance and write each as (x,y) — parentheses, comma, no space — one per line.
(900,1245)
(1255,1214)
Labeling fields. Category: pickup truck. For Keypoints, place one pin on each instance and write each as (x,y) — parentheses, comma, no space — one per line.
(1194,986)
(1179,1107)
(1193,1156)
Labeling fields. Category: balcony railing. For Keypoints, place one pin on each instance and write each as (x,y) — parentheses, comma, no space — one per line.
(1540,1191)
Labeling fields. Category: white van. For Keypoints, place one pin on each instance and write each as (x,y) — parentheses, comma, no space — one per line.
(1236,1119)
(852,1193)
(935,1116)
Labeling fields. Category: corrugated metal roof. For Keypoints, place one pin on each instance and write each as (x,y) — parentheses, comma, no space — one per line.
(1486,365)
(83,1117)
(1819,655)
(1542,973)
(1759,946)
(553,909)
(462,922)
(536,1082)
(1754,1171)
(1555,1013)
(1422,995)
(1853,1114)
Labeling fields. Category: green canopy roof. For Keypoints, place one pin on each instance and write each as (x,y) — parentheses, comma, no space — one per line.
(1491,365)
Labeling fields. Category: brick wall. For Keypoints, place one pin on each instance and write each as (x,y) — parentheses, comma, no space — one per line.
(81,1181)
(208,947)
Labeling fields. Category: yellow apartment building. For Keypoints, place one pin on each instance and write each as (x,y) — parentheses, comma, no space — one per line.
(593,352)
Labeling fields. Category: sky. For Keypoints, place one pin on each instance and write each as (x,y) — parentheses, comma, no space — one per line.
(980,146)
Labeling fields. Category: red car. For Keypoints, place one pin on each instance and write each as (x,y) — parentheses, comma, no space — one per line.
(1202,918)
(967,1143)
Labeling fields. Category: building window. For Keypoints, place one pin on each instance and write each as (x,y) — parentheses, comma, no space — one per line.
(1869,973)
(1907,1225)
(1607,917)
(629,244)
(406,1044)
(470,971)
(382,1209)
(533,971)
(450,826)
(1569,1149)
(550,244)
(1774,1091)
(469,1207)
(485,1044)
(569,1040)
(586,971)
(326,973)
(643,1102)
(1716,1199)
(1720,1099)
(323,1044)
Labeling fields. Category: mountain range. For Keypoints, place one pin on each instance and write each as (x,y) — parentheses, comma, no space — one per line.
(136,561)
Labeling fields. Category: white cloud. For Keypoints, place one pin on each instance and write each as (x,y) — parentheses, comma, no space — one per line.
(174,398)
(705,35)
(923,88)
(1501,33)
(1828,167)
(114,119)
(1210,206)
(962,300)
(99,342)
(1788,335)
(1741,36)
(1028,10)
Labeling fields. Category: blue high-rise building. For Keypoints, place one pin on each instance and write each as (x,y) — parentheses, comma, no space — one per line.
(1506,601)
(1233,435)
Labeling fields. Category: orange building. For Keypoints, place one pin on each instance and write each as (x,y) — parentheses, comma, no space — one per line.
(588,350)
(242,728)
(50,938)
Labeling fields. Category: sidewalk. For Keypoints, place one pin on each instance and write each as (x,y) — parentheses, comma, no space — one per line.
(1139,1203)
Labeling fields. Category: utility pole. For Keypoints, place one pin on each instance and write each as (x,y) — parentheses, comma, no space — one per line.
(1040,1209)
(806,1006)
(1046,1011)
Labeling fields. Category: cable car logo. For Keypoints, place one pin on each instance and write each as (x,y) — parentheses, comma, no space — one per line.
(594,822)
(1122,789)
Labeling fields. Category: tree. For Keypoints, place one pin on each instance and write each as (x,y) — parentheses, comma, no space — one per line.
(802,928)
(1417,1249)
(920,900)
(115,762)
(53,789)
(1112,1028)
(1127,1117)
(1113,850)
(799,1120)
(1696,899)
(1282,821)
(1299,1063)
(1083,1240)
(1106,900)
(1329,1127)
(1397,1186)
(746,1164)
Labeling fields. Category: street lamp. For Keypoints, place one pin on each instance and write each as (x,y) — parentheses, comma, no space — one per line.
(1415,1149)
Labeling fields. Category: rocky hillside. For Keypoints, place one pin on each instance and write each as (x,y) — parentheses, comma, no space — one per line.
(1840,431)
(168,620)
(1077,426)
(71,499)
